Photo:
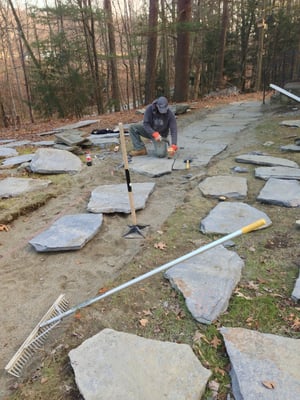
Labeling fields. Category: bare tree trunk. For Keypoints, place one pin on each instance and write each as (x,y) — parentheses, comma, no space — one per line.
(182,52)
(222,46)
(151,52)
(112,56)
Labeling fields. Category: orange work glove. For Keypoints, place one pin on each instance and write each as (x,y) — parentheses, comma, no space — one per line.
(156,136)
(172,150)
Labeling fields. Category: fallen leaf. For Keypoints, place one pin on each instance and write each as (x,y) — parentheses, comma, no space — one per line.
(240,294)
(198,336)
(160,245)
(215,342)
(269,384)
(147,312)
(219,371)
(77,315)
(3,227)
(44,380)
(103,290)
(143,322)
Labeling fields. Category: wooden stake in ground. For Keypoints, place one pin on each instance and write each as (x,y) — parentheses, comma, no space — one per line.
(134,229)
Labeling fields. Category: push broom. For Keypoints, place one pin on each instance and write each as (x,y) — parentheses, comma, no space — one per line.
(58,310)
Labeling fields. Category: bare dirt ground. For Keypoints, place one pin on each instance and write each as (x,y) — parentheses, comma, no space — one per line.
(31,281)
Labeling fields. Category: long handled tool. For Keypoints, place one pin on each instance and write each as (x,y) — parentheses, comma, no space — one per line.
(47,323)
(134,228)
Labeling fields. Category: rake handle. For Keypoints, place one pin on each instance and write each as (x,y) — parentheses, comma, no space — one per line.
(163,267)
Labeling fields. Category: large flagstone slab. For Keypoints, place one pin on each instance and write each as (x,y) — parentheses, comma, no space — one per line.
(290,147)
(281,192)
(70,232)
(265,160)
(114,198)
(13,161)
(293,123)
(227,186)
(115,365)
(296,290)
(151,166)
(7,152)
(263,366)
(199,154)
(70,137)
(227,217)
(277,172)
(12,187)
(54,161)
(207,281)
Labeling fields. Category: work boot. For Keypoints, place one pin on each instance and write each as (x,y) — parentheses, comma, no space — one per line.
(141,152)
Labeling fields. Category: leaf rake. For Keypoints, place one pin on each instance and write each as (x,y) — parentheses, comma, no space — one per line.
(59,309)
(37,337)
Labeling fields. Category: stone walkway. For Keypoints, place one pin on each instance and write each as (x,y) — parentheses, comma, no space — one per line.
(113,365)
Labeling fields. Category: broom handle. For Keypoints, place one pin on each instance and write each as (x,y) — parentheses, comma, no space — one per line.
(245,229)
(127,174)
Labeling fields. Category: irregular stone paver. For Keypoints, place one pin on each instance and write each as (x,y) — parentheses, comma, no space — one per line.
(277,172)
(296,290)
(228,186)
(12,187)
(266,160)
(18,143)
(70,232)
(7,152)
(229,217)
(12,161)
(207,282)
(115,365)
(200,156)
(103,142)
(292,123)
(290,147)
(54,161)
(70,137)
(151,166)
(281,192)
(80,124)
(43,143)
(114,198)
(259,360)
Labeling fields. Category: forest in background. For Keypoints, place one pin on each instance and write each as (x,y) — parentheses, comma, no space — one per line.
(90,57)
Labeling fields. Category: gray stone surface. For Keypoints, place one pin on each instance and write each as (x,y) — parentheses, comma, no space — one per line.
(17,143)
(290,147)
(221,185)
(199,156)
(277,172)
(12,187)
(13,161)
(114,198)
(54,161)
(78,125)
(70,232)
(105,141)
(296,290)
(207,281)
(7,152)
(115,365)
(70,137)
(266,160)
(151,166)
(293,123)
(228,217)
(259,360)
(281,192)
(43,143)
